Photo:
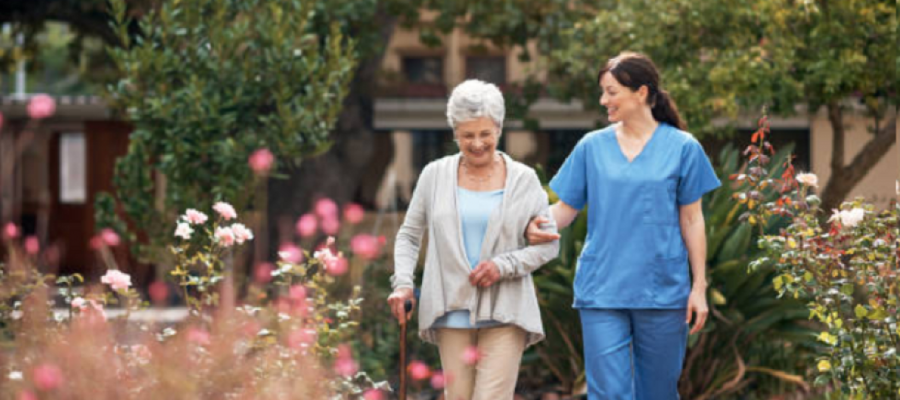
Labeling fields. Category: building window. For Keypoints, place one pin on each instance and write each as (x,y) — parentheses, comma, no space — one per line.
(424,70)
(488,69)
(72,169)
(430,145)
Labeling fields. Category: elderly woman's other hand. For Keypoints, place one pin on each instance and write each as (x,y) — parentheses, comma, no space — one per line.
(397,300)
(485,274)
(536,235)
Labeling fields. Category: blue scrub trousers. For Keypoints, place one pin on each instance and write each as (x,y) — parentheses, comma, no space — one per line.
(633,353)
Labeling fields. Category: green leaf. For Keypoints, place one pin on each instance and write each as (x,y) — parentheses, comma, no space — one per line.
(860,311)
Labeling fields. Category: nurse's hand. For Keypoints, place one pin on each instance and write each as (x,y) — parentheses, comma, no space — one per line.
(537,236)
(397,299)
(485,274)
(697,310)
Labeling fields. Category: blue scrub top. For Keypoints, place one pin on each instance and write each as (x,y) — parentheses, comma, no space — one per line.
(634,255)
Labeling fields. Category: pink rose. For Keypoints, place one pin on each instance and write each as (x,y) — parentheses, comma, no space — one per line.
(365,246)
(335,264)
(346,366)
(110,237)
(11,231)
(373,394)
(224,236)
(437,380)
(330,226)
(241,233)
(184,231)
(290,253)
(78,303)
(32,246)
(354,213)
(261,161)
(194,217)
(116,279)
(326,208)
(297,293)
(41,106)
(47,377)
(307,225)
(225,210)
(159,292)
(198,336)
(262,273)
(471,355)
(418,370)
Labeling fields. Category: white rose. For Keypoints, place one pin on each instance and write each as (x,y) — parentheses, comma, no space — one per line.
(808,179)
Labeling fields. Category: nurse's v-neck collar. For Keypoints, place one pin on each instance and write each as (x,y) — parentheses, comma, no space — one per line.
(643,149)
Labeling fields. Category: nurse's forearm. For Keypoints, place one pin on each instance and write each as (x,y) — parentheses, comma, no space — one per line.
(693,228)
(563,214)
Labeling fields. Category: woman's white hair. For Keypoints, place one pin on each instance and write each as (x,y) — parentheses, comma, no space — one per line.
(474,99)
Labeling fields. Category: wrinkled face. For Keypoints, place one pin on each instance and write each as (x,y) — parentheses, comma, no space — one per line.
(477,140)
(620,101)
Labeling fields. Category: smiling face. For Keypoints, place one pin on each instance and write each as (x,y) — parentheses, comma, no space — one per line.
(477,140)
(620,101)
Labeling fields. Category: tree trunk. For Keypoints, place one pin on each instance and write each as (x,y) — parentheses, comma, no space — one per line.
(845,177)
(354,166)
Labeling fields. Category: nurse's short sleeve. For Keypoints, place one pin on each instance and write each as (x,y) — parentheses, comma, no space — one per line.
(570,183)
(697,176)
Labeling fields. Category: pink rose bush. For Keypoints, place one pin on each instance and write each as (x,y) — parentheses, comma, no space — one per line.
(261,161)
(290,332)
(844,267)
(41,106)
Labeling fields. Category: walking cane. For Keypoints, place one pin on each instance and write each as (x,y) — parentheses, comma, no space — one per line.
(407,307)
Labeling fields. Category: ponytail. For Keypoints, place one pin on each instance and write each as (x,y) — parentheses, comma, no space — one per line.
(665,110)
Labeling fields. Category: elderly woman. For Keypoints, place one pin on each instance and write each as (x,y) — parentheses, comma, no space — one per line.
(477,292)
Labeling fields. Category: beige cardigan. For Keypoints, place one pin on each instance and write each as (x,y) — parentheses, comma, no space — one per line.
(445,285)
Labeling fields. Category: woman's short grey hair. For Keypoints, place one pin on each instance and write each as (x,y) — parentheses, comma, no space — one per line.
(474,99)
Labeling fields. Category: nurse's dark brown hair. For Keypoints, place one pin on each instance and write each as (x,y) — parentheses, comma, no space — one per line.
(634,70)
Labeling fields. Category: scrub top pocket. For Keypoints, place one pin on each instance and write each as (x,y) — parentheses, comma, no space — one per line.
(658,202)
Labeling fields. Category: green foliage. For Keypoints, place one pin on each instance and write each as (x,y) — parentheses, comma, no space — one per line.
(206,83)
(845,268)
(720,57)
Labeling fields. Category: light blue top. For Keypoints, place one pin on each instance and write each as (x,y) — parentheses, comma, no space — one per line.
(475,209)
(634,255)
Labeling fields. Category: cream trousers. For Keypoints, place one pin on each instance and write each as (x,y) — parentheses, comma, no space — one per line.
(493,376)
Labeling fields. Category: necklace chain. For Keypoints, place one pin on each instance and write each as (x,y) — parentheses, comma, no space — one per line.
(468,172)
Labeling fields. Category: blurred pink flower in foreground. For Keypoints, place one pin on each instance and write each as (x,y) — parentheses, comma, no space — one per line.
(437,380)
(225,236)
(326,208)
(261,161)
(365,246)
(334,264)
(290,253)
(10,231)
(27,395)
(47,377)
(194,217)
(116,279)
(41,106)
(198,336)
(301,338)
(32,246)
(297,293)
(418,370)
(345,364)
(241,233)
(158,292)
(373,394)
(262,273)
(110,237)
(307,225)
(225,210)
(354,213)
(330,226)
(471,355)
